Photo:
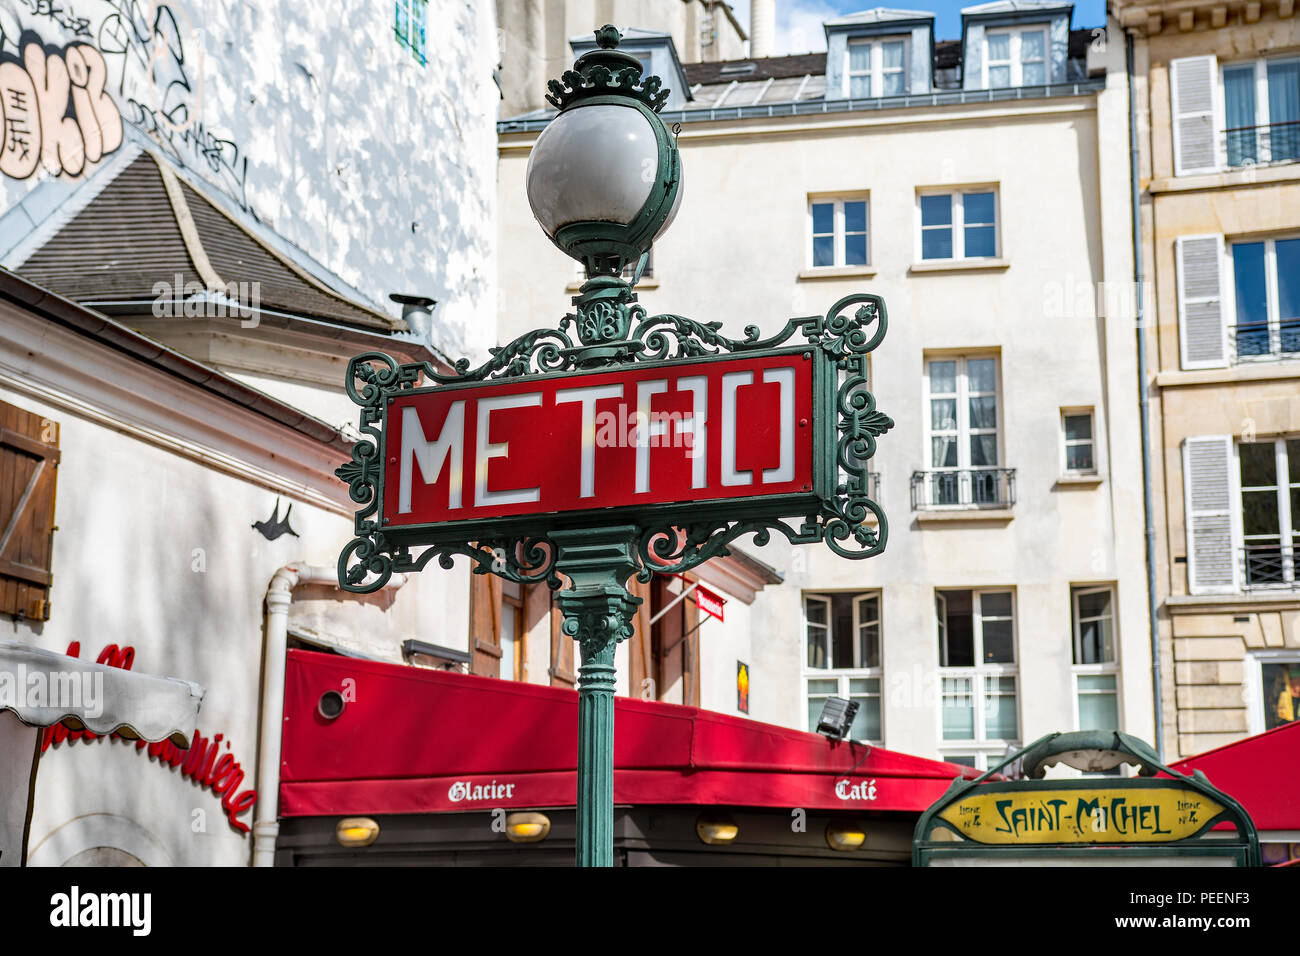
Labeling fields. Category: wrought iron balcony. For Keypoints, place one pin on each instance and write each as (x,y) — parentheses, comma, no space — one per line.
(1258,341)
(963,488)
(1262,145)
(1268,567)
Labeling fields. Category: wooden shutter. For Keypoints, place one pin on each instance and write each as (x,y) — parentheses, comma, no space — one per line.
(691,650)
(1193,95)
(29,458)
(562,671)
(1208,491)
(485,625)
(1202,329)
(640,652)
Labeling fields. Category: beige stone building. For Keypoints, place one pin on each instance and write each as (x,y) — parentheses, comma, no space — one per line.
(1218,100)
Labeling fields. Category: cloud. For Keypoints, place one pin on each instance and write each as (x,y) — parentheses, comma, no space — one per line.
(799,26)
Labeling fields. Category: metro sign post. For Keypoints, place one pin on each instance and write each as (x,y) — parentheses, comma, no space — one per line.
(635,445)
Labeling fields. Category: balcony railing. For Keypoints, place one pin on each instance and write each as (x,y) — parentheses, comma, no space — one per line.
(1259,341)
(964,488)
(1268,567)
(1261,145)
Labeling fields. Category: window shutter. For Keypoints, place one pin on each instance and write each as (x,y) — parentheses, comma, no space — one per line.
(563,673)
(485,625)
(1207,495)
(1193,94)
(1202,332)
(29,458)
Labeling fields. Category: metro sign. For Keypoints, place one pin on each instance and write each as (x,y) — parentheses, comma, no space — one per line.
(591,444)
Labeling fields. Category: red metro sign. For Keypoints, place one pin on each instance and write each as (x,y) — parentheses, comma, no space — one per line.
(695,431)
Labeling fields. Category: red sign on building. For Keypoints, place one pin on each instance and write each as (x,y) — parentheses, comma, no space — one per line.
(682,432)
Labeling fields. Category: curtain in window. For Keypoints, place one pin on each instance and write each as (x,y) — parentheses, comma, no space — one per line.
(1239,104)
(1252,298)
(1288,292)
(1284,111)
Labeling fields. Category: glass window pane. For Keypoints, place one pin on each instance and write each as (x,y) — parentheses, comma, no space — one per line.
(893,54)
(943,414)
(1097,682)
(1000,721)
(855,216)
(936,244)
(984,412)
(1078,427)
(1079,458)
(1288,279)
(1258,464)
(977,208)
(1281,685)
(943,379)
(892,84)
(943,452)
(860,86)
(1283,94)
(1031,46)
(981,374)
(995,604)
(824,251)
(1252,294)
(855,250)
(999,77)
(999,46)
(958,709)
(1259,512)
(823,215)
(998,647)
(1094,604)
(869,645)
(1098,711)
(981,242)
(817,641)
(824,687)
(816,612)
(936,210)
(1096,642)
(866,723)
(859,56)
(1293,467)
(983,451)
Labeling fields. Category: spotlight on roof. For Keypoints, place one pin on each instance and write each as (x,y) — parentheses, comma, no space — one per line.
(433,656)
(417,313)
(837,717)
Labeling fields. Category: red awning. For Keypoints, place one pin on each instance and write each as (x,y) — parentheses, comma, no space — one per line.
(1262,773)
(412,740)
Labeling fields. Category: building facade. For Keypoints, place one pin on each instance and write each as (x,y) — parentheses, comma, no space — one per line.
(980,185)
(1218,96)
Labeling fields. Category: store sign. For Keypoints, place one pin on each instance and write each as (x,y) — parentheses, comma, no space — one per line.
(1100,815)
(644,435)
(204,762)
(709,602)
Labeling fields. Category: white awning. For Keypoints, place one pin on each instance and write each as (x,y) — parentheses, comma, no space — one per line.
(42,688)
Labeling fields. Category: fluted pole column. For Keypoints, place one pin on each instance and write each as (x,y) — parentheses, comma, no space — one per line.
(598,612)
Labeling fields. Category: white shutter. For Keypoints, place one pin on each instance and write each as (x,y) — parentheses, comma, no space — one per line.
(1194,96)
(1202,331)
(1207,495)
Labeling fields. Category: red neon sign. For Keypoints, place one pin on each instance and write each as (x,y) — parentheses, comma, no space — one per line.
(695,431)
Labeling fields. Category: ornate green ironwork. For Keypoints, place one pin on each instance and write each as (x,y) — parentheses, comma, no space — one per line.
(603,71)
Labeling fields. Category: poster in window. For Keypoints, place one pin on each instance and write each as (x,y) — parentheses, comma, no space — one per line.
(1281,693)
(742,687)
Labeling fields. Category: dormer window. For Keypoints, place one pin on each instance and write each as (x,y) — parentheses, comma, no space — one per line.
(1015,56)
(876,67)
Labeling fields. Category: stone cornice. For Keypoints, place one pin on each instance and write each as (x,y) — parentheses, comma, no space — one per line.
(1186,16)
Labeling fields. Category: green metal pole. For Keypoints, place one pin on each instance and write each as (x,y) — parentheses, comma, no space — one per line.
(598,612)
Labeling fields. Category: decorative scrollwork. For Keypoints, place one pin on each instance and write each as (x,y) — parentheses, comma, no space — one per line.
(369,562)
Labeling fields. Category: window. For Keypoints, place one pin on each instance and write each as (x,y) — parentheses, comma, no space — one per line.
(1266,283)
(839,232)
(875,68)
(408,25)
(1015,57)
(1275,676)
(843,657)
(959,225)
(512,631)
(977,670)
(962,439)
(1261,102)
(1096,673)
(1270,510)
(1079,445)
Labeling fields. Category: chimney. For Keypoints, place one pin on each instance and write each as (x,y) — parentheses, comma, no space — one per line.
(762,27)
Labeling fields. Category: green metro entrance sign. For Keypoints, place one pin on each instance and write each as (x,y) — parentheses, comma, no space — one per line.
(618,443)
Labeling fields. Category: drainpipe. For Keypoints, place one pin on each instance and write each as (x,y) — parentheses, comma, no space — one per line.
(279,595)
(1144,402)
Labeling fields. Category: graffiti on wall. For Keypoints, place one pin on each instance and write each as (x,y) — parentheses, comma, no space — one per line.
(55,110)
(64,106)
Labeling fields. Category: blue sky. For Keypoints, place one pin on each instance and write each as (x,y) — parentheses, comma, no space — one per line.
(799,30)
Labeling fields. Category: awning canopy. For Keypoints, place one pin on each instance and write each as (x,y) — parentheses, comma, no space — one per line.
(42,688)
(411,740)
(1260,773)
